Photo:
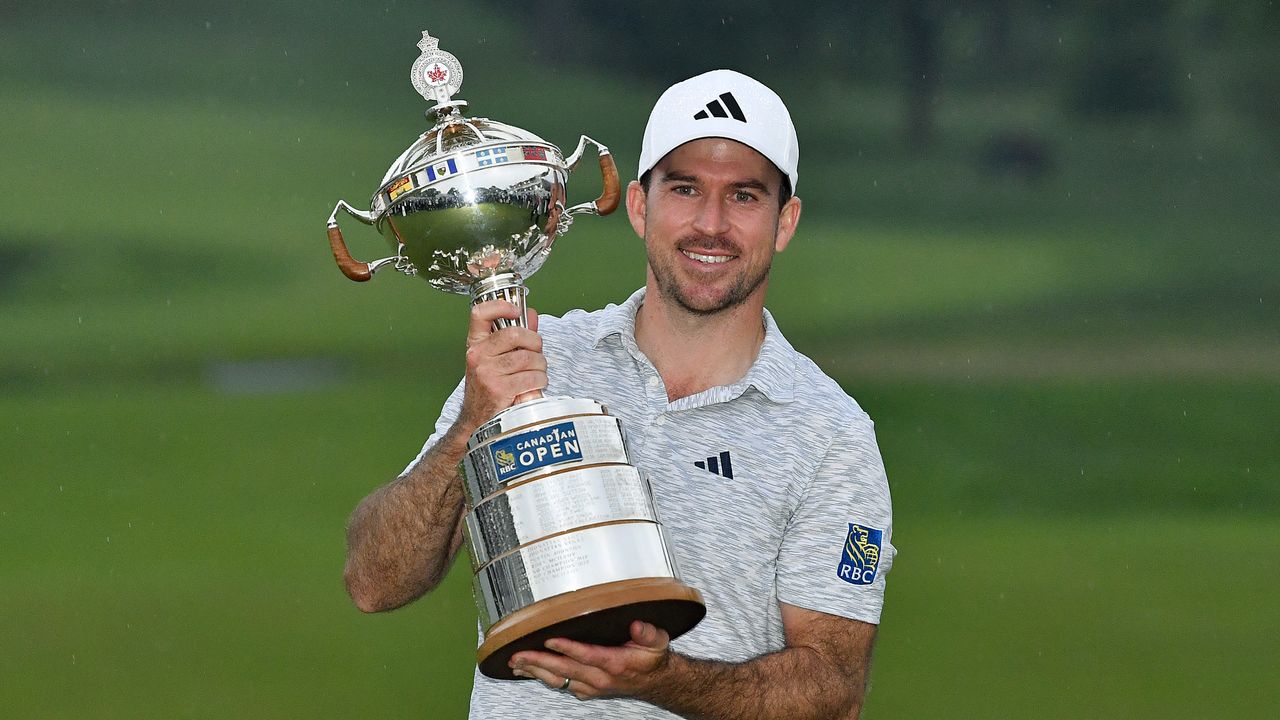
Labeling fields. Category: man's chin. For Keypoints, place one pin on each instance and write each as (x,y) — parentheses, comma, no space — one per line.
(706,304)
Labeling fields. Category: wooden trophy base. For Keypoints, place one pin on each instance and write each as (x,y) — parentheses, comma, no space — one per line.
(600,615)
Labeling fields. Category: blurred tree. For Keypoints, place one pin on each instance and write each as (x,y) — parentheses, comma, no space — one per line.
(1249,37)
(1128,65)
(920,26)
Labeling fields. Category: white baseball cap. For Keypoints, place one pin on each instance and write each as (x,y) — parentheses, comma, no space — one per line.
(727,104)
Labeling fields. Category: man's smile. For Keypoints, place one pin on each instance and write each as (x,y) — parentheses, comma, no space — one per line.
(710,259)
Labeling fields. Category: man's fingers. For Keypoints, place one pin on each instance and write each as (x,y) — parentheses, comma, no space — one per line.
(529,380)
(649,636)
(593,655)
(496,391)
(505,340)
(485,314)
(552,669)
(520,360)
(541,674)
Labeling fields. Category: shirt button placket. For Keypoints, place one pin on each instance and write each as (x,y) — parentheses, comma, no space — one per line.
(657,397)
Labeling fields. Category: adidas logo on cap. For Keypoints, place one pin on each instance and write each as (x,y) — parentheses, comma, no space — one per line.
(707,106)
(717,110)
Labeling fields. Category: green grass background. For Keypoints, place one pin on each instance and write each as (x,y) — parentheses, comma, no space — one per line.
(1074,383)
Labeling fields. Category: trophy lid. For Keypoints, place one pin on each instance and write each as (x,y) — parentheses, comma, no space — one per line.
(437,76)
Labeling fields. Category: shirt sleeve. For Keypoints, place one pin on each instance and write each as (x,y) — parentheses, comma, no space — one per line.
(837,549)
(448,415)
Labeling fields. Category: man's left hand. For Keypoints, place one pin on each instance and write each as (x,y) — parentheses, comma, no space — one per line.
(596,671)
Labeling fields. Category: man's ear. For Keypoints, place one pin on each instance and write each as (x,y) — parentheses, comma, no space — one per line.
(787,221)
(635,206)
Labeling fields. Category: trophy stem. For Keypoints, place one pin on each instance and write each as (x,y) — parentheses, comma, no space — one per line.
(509,287)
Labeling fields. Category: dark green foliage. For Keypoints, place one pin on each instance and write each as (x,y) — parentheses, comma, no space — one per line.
(1129,64)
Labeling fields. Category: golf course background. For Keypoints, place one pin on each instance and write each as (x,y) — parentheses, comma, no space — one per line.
(1072,355)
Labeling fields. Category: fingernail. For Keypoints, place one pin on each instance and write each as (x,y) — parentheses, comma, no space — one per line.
(552,645)
(520,673)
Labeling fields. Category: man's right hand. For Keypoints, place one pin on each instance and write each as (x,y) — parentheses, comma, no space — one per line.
(501,364)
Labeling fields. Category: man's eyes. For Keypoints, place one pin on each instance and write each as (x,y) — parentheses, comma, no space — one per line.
(741,196)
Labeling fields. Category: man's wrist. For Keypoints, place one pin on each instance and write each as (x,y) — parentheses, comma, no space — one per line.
(663,684)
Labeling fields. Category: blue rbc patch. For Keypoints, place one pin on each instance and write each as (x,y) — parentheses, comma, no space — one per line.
(861,556)
(519,454)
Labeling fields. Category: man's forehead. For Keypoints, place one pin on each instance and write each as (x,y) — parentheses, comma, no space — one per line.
(701,156)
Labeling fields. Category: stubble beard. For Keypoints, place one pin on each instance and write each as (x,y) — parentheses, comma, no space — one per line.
(739,290)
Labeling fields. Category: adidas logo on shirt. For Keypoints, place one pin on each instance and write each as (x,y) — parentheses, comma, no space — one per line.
(730,108)
(718,465)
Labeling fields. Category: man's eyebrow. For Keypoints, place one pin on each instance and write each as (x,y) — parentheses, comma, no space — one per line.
(750,184)
(753,184)
(678,177)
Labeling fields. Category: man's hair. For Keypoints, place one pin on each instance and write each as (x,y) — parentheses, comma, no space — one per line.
(784,186)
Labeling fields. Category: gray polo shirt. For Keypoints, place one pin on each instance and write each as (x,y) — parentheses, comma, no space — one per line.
(772,490)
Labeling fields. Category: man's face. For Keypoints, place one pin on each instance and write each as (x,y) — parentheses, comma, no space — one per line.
(711,223)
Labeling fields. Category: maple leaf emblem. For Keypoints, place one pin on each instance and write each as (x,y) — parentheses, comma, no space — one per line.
(437,74)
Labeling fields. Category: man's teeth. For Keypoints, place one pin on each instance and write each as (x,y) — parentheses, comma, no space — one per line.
(706,258)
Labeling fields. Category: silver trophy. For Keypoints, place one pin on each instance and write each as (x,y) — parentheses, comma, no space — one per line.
(561,526)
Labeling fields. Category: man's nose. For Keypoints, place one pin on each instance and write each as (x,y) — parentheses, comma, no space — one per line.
(712,218)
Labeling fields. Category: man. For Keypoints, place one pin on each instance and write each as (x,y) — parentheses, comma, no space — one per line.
(766,474)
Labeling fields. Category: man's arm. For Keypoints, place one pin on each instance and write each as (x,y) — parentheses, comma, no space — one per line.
(403,537)
(821,673)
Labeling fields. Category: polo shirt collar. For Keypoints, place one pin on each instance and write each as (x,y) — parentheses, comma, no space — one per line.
(773,372)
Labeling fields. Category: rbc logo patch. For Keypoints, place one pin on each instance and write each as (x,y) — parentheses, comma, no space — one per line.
(861,555)
(506,461)
(528,451)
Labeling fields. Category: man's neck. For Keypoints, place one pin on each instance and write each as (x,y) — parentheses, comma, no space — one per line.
(695,352)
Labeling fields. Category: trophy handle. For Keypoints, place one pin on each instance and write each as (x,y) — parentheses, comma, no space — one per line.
(612,192)
(352,268)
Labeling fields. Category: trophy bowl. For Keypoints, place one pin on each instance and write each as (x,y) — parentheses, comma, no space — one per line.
(470,199)
(564,537)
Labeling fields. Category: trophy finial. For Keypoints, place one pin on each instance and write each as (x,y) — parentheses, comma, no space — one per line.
(436,74)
